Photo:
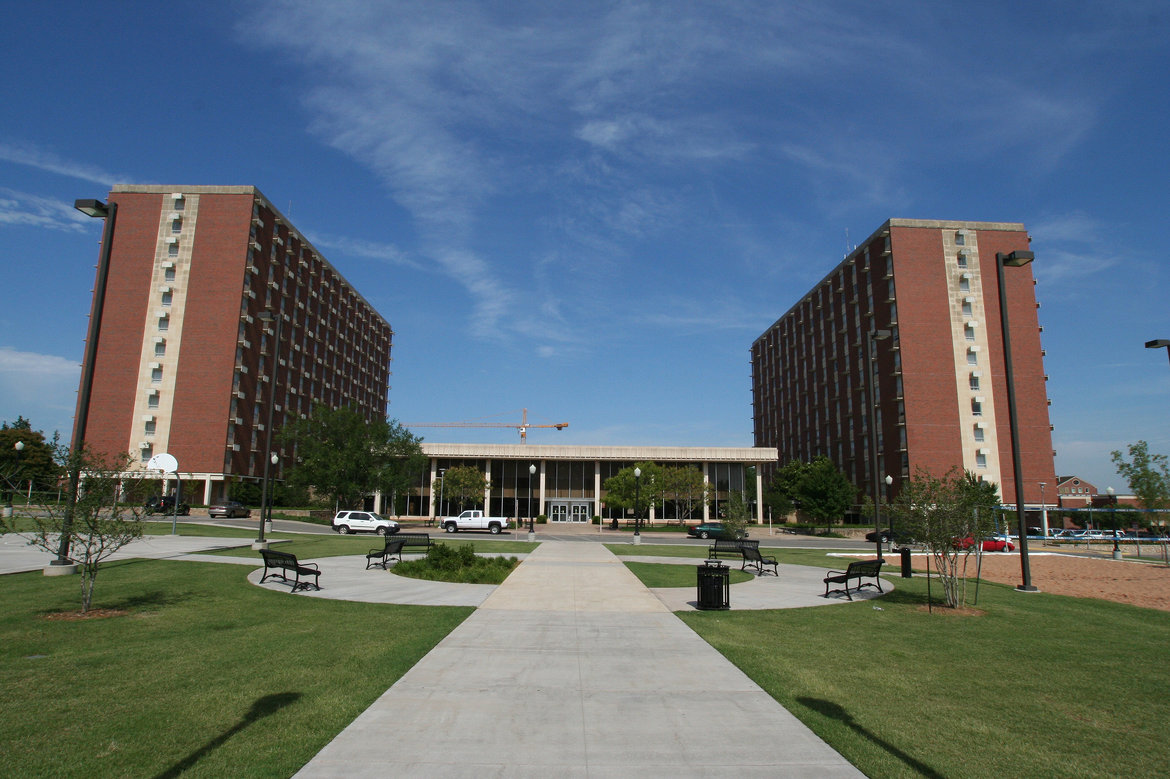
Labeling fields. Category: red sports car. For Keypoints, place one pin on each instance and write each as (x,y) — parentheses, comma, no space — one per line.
(989,544)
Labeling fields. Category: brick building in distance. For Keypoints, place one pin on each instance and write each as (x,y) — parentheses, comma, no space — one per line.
(938,378)
(185,362)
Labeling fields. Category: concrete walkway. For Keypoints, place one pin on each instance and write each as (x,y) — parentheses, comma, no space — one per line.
(572,667)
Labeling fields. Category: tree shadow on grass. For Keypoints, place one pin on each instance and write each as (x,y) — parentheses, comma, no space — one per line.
(269,704)
(834,711)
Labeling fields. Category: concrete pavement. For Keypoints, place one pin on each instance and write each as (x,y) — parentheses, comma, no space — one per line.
(572,667)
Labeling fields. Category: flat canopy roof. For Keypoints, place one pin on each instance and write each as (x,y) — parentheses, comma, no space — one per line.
(730,454)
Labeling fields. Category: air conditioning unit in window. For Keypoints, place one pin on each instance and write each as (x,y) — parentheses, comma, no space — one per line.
(144,444)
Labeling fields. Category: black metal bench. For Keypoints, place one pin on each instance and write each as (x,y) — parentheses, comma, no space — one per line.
(412,540)
(382,556)
(753,559)
(283,562)
(729,546)
(862,569)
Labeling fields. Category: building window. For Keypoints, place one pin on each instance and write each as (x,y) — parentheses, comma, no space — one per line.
(964,283)
(167,297)
(156,375)
(974,381)
(979,435)
(164,323)
(160,349)
(147,453)
(969,333)
(176,226)
(967,311)
(149,427)
(972,357)
(169,274)
(980,460)
(960,239)
(172,250)
(977,407)
(152,400)
(962,260)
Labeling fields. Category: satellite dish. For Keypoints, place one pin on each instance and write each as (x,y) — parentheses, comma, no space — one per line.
(163,462)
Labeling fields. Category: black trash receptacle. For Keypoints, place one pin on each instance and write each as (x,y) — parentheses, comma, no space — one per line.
(613,525)
(714,585)
(905,552)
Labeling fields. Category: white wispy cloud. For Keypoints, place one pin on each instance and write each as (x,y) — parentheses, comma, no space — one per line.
(40,387)
(24,154)
(23,208)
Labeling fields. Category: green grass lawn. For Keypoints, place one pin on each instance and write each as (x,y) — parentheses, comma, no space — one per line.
(206,673)
(671,575)
(1038,685)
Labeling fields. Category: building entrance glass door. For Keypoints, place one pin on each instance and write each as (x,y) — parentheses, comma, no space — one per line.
(569,511)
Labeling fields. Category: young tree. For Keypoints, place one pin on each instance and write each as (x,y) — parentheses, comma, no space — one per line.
(950,516)
(685,486)
(1148,476)
(783,488)
(736,513)
(100,526)
(462,485)
(403,460)
(625,491)
(824,492)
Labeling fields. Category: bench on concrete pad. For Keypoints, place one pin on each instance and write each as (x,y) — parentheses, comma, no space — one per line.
(729,546)
(862,569)
(412,540)
(381,557)
(753,559)
(283,563)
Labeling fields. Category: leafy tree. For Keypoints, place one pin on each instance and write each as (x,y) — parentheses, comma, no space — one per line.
(941,512)
(1148,476)
(625,491)
(685,486)
(36,461)
(824,492)
(461,485)
(341,454)
(404,459)
(783,490)
(100,526)
(736,513)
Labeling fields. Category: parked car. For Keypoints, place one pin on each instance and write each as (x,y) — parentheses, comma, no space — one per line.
(989,544)
(165,504)
(709,530)
(898,536)
(229,509)
(363,521)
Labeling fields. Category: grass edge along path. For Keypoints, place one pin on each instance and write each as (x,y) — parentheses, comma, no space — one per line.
(204,674)
(1030,685)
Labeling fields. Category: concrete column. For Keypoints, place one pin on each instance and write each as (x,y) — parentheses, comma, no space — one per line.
(431,489)
(759,496)
(706,483)
(540,499)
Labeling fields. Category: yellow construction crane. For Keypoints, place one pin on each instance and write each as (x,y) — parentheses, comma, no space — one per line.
(523,427)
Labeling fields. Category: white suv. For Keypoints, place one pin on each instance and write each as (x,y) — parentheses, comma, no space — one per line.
(368,521)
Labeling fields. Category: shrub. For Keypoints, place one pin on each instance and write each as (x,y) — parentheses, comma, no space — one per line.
(445,563)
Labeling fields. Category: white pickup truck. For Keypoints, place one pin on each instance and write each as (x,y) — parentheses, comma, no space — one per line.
(474,520)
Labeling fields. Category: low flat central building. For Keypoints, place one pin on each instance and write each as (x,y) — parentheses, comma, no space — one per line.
(567,485)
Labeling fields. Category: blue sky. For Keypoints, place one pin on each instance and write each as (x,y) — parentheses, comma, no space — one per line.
(592,209)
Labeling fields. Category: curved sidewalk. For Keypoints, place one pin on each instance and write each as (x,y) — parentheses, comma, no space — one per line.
(572,667)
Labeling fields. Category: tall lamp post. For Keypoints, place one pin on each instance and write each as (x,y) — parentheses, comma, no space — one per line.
(871,413)
(637,505)
(889,483)
(1015,259)
(109,212)
(531,487)
(1113,521)
(18,447)
(269,316)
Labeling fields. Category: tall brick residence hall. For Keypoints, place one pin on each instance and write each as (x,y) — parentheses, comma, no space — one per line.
(185,360)
(937,374)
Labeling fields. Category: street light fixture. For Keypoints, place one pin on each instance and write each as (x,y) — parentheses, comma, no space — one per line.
(19,447)
(871,414)
(109,212)
(1015,259)
(269,316)
(637,505)
(1158,344)
(531,487)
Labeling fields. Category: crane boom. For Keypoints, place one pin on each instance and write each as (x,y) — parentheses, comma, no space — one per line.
(523,427)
